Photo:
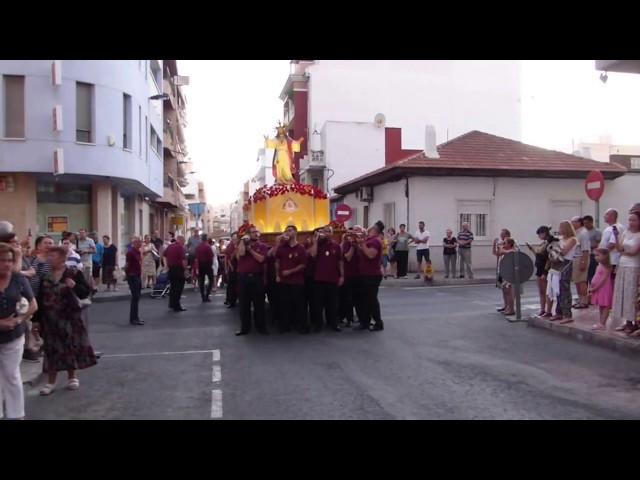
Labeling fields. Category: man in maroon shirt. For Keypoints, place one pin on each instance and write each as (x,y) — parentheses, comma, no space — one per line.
(309,273)
(291,261)
(369,266)
(347,290)
(231,267)
(327,278)
(176,260)
(204,257)
(133,270)
(251,255)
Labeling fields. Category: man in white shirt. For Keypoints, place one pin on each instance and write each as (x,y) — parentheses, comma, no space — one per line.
(421,239)
(86,249)
(581,263)
(608,240)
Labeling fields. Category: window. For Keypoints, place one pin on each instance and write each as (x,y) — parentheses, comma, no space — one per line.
(316,182)
(476,214)
(140,131)
(146,138)
(126,122)
(14,106)
(84,112)
(635,163)
(156,74)
(389,214)
(365,217)
(154,139)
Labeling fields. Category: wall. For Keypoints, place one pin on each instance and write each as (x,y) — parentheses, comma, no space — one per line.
(19,206)
(450,94)
(352,149)
(519,204)
(620,194)
(79,215)
(111,78)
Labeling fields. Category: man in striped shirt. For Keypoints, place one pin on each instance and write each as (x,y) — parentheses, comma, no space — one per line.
(465,238)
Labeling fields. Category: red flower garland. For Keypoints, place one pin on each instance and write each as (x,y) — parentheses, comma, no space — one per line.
(276,190)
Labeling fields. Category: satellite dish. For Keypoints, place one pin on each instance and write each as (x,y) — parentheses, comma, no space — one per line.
(380,120)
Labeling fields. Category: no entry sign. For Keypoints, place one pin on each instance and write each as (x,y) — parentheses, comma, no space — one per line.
(343,213)
(594,185)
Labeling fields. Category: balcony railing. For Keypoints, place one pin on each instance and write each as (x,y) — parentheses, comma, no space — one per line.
(315,160)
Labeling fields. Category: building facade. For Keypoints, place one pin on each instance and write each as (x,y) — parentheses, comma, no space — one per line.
(489,181)
(352,107)
(80,145)
(173,203)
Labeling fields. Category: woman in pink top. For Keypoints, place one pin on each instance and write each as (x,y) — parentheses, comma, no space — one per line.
(601,288)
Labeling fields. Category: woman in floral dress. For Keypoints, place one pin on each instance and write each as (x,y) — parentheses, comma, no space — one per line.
(66,342)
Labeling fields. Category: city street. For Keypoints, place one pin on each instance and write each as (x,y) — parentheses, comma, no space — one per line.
(445,354)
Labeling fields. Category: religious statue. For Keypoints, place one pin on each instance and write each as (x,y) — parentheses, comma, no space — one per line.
(284,147)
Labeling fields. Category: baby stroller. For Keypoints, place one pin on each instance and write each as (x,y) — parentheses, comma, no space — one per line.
(162,286)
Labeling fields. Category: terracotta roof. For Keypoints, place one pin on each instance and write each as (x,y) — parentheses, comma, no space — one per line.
(482,154)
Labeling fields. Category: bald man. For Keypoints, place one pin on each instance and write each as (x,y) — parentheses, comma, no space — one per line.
(608,238)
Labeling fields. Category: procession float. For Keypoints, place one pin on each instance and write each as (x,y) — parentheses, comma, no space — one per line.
(272,208)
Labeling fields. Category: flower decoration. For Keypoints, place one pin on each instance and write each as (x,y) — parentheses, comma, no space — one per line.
(278,189)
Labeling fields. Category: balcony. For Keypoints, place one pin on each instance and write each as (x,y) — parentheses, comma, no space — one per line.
(314,162)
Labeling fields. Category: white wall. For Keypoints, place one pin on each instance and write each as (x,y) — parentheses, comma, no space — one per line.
(352,149)
(621,194)
(458,95)
(519,204)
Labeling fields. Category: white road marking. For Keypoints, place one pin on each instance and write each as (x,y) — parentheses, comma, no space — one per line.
(216,374)
(216,403)
(216,355)
(150,354)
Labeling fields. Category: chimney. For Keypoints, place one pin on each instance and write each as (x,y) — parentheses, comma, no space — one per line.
(430,149)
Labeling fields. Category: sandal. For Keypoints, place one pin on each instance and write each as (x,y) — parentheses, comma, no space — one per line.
(47,389)
(597,327)
(547,315)
(508,314)
(541,313)
(73,384)
(565,321)
(556,317)
(501,309)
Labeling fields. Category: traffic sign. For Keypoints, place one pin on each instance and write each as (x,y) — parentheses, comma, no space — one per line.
(343,213)
(508,267)
(594,185)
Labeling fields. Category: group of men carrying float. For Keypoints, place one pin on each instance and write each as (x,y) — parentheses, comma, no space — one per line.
(309,285)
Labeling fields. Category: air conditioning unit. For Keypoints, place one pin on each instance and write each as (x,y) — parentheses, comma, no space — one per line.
(366,194)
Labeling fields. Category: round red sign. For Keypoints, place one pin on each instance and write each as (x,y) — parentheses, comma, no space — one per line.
(343,213)
(594,185)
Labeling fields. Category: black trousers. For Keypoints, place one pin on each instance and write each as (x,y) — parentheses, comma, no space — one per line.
(368,299)
(176,279)
(403,263)
(325,300)
(309,298)
(251,293)
(205,270)
(346,294)
(232,287)
(135,286)
(273,295)
(291,308)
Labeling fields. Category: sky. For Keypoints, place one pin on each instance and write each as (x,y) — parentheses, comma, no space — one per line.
(232,104)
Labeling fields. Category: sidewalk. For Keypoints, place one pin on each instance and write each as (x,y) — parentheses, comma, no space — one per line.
(580,329)
(31,372)
(485,276)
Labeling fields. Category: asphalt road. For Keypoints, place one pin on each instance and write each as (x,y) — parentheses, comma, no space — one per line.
(444,354)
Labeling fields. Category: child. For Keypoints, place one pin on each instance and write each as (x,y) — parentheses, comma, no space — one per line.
(428,272)
(601,288)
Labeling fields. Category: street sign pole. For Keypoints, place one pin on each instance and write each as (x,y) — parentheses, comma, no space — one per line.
(597,213)
(516,284)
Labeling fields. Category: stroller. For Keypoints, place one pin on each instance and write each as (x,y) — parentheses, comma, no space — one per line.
(162,286)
